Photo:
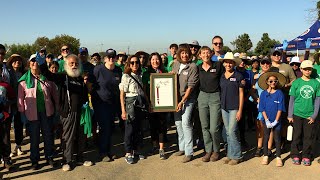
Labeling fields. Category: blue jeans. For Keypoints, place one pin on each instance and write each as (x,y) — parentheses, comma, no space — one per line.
(46,124)
(184,127)
(231,125)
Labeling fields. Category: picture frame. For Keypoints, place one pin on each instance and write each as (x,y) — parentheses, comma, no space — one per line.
(163,92)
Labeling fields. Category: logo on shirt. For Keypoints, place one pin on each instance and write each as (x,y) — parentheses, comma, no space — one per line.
(233,79)
(213,70)
(306,91)
(277,102)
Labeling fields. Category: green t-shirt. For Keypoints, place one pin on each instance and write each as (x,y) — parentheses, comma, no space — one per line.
(61,65)
(120,66)
(316,72)
(40,98)
(170,63)
(305,92)
(197,62)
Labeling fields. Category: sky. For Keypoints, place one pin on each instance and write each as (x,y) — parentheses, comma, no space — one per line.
(152,25)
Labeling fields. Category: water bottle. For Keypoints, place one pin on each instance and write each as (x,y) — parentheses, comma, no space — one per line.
(289,133)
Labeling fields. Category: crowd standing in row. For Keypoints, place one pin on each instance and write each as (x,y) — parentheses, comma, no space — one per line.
(218,96)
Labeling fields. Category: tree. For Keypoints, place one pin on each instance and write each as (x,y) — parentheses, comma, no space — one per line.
(57,42)
(242,43)
(40,43)
(226,49)
(24,50)
(265,44)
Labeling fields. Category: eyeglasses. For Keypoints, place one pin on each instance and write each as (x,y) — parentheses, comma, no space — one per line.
(271,81)
(134,62)
(295,64)
(66,49)
(216,44)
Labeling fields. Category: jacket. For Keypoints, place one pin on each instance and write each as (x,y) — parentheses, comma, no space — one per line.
(27,99)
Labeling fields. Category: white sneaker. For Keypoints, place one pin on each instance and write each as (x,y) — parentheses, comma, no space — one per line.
(14,152)
(19,151)
(66,167)
(87,163)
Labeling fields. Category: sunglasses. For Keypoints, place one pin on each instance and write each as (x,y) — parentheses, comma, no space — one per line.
(134,62)
(216,44)
(295,64)
(66,49)
(265,62)
(271,81)
(33,60)
(276,54)
(193,46)
(307,69)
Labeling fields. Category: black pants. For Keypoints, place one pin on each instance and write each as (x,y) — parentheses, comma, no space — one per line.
(133,135)
(276,137)
(302,128)
(158,126)
(18,128)
(73,136)
(5,145)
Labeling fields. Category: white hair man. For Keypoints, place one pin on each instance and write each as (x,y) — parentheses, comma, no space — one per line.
(72,95)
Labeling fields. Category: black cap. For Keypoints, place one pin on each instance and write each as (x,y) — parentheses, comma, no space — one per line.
(111,53)
(96,54)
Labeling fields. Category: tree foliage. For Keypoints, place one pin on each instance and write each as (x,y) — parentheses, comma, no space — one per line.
(242,43)
(226,49)
(52,45)
(265,44)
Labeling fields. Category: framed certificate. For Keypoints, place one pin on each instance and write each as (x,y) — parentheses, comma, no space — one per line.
(163,92)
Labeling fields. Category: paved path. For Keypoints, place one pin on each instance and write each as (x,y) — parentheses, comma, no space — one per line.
(172,168)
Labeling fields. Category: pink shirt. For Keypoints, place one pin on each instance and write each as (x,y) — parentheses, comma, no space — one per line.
(27,102)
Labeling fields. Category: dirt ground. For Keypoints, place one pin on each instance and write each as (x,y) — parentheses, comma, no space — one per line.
(171,168)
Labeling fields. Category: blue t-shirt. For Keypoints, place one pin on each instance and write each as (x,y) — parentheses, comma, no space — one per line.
(215,57)
(271,104)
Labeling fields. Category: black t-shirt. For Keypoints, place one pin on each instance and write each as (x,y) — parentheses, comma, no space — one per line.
(230,91)
(210,80)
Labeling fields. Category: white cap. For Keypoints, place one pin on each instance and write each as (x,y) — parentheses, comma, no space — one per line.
(32,56)
(295,59)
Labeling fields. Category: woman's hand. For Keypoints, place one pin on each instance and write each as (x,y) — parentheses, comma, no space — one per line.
(310,120)
(124,115)
(179,107)
(290,120)
(238,116)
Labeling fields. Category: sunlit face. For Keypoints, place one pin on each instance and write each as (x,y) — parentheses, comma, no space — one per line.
(16,64)
(306,71)
(49,60)
(217,44)
(173,50)
(65,51)
(134,64)
(109,60)
(53,68)
(295,66)
(205,55)
(194,49)
(33,65)
(255,65)
(185,56)
(272,81)
(83,56)
(265,66)
(228,65)
(276,57)
(155,62)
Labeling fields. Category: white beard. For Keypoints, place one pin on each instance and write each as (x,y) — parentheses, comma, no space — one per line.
(72,72)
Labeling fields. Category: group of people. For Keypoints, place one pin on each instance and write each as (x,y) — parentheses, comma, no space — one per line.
(220,95)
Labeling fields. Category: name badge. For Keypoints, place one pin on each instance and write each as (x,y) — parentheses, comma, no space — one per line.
(233,79)
(185,73)
(213,70)
(117,78)
(277,102)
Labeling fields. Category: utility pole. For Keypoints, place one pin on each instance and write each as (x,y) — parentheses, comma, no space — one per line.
(101,45)
(128,50)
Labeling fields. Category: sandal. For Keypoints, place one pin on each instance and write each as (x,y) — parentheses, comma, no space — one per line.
(296,161)
(306,161)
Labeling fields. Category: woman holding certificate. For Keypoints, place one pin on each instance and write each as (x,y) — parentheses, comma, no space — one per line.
(158,123)
(188,79)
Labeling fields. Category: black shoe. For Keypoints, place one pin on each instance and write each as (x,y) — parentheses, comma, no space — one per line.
(51,162)
(8,164)
(258,152)
(35,166)
(269,152)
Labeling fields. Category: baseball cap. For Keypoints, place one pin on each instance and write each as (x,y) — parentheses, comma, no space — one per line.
(274,51)
(295,59)
(111,53)
(51,56)
(306,64)
(194,43)
(266,60)
(96,54)
(33,56)
(83,49)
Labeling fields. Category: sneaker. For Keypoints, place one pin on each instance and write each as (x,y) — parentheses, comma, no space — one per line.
(129,159)
(187,159)
(214,157)
(279,162)
(269,152)
(162,154)
(105,158)
(306,161)
(296,161)
(226,161)
(35,166)
(265,160)
(8,164)
(258,152)
(206,157)
(87,163)
(234,162)
(19,151)
(140,156)
(179,153)
(51,163)
(66,167)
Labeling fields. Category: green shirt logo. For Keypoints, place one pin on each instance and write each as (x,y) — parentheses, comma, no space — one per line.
(306,91)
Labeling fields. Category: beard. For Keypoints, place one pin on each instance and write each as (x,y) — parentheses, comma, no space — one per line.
(72,72)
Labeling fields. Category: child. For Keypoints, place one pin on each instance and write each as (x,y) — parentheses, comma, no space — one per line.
(271,105)
(303,110)
(6,95)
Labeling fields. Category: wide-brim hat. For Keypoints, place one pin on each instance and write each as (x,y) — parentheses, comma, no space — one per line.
(14,56)
(142,53)
(230,56)
(263,79)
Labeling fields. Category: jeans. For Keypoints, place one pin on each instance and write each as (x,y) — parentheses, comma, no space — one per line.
(46,124)
(184,127)
(210,112)
(104,114)
(231,125)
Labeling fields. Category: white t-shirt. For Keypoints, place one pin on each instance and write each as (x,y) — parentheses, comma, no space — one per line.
(182,66)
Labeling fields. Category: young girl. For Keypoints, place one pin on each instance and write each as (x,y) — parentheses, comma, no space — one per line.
(271,105)
(303,110)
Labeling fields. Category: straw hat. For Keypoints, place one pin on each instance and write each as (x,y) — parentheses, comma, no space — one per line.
(263,79)
(230,56)
(13,57)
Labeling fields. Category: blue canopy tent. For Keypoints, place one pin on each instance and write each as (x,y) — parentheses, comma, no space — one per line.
(299,43)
